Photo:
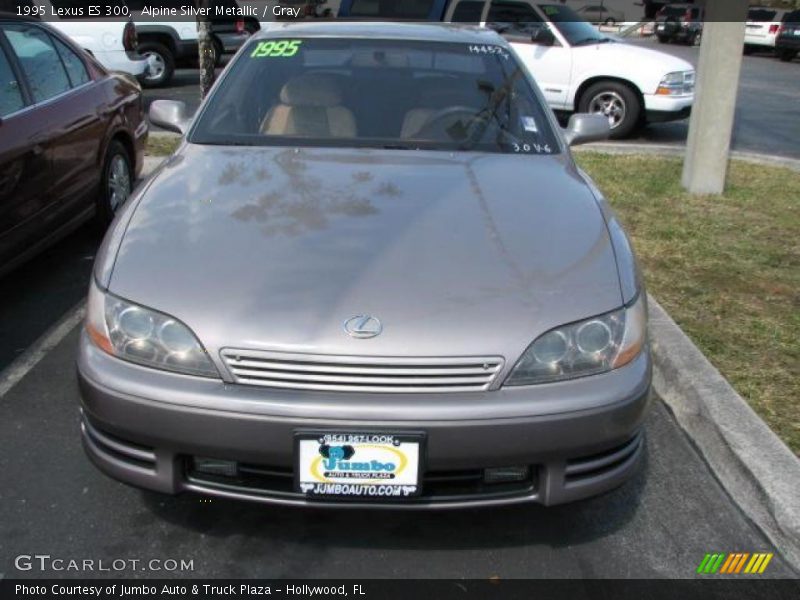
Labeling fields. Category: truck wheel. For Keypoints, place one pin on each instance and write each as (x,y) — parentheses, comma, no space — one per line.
(116,183)
(161,64)
(616,101)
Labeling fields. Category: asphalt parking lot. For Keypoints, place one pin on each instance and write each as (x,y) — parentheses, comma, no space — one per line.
(54,502)
(766,110)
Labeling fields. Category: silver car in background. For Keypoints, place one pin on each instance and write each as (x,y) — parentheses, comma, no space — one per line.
(371,276)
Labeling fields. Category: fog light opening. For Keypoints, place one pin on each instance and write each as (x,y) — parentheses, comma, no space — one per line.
(215,466)
(506,474)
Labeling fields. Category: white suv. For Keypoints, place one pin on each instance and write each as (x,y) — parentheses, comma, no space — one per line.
(580,69)
(762,28)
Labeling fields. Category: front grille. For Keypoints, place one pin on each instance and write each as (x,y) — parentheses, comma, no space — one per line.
(361,374)
(437,486)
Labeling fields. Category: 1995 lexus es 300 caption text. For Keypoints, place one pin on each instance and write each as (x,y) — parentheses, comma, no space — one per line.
(370,276)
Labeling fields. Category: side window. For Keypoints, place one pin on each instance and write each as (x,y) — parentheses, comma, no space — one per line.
(39,59)
(515,18)
(10,94)
(468,11)
(74,65)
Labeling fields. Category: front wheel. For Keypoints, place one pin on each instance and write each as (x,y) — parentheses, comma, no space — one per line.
(616,101)
(160,64)
(787,55)
(663,39)
(116,183)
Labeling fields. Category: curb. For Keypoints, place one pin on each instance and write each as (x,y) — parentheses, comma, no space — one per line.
(773,160)
(756,468)
(150,164)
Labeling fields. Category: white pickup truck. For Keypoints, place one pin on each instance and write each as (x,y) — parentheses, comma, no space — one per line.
(580,69)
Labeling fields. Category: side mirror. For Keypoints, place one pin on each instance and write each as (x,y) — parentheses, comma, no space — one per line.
(542,36)
(584,128)
(170,115)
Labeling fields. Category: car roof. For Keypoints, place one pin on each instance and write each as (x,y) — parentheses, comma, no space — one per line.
(431,32)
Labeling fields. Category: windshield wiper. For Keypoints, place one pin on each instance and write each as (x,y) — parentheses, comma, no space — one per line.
(490,112)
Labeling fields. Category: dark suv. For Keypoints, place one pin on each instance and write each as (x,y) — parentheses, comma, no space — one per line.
(788,43)
(679,23)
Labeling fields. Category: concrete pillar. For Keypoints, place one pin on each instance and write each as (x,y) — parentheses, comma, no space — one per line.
(711,124)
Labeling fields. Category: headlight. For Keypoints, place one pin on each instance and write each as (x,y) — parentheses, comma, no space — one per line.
(680,83)
(587,347)
(144,336)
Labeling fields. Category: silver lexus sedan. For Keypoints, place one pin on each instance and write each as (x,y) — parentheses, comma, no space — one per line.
(371,276)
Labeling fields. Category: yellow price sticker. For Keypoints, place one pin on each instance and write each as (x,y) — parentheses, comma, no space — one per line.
(276,49)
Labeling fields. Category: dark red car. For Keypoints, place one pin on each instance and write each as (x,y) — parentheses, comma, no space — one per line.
(72,138)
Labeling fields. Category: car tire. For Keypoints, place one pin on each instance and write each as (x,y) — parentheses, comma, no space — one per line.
(116,183)
(695,39)
(163,61)
(787,55)
(617,101)
(662,39)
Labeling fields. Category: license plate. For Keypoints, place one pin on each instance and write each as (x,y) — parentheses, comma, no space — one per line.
(358,466)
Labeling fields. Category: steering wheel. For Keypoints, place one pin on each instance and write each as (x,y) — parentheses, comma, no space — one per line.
(438,118)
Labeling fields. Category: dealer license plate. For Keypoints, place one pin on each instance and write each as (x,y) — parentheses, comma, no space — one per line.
(365,466)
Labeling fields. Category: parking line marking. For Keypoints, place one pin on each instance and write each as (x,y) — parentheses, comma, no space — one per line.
(39,349)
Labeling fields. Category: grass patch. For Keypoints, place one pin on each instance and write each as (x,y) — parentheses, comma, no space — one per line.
(161,145)
(726,268)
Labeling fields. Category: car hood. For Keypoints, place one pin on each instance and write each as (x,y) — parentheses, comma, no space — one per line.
(629,61)
(467,254)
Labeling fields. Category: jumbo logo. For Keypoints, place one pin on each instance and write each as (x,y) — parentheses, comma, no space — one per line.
(335,462)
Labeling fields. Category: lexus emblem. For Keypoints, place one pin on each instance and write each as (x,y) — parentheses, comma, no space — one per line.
(363,326)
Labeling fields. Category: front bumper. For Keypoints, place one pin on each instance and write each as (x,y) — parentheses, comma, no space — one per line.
(126,62)
(580,438)
(659,109)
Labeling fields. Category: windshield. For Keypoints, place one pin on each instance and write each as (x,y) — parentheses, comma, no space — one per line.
(377,93)
(572,26)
